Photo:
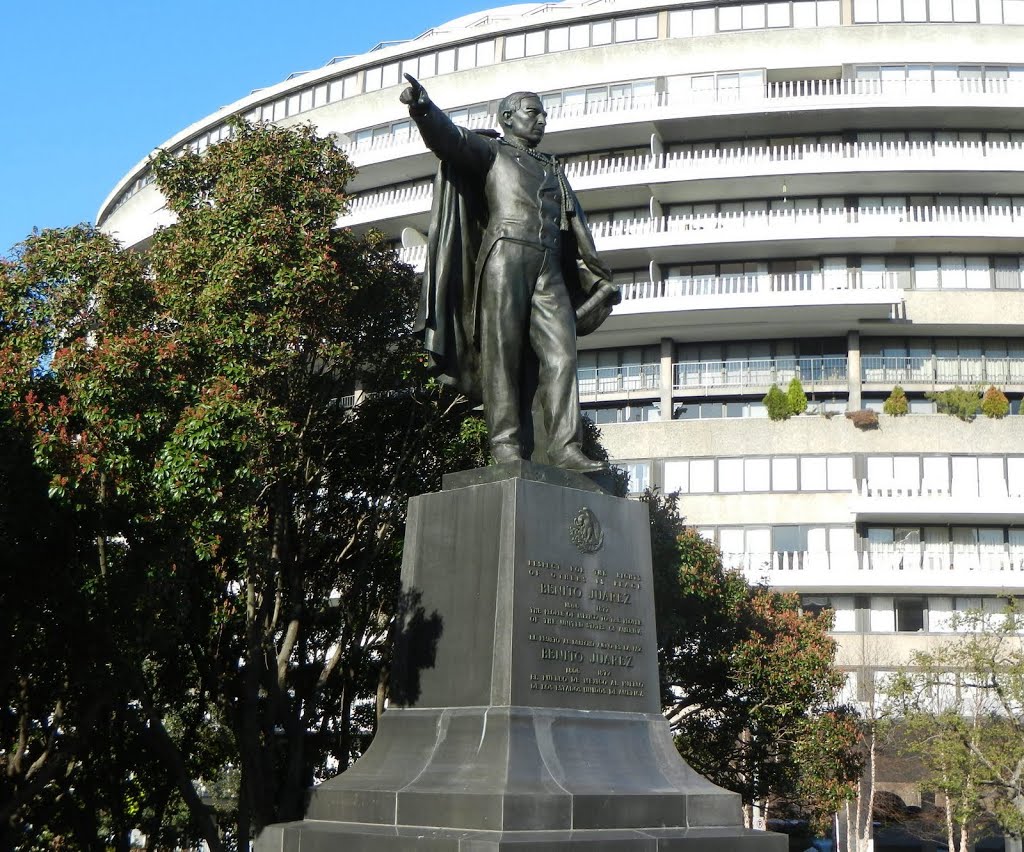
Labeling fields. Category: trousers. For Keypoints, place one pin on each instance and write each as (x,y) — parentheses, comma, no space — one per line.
(527,347)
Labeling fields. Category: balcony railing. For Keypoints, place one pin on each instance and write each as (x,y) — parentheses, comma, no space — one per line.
(935,370)
(799,222)
(758,372)
(940,568)
(992,500)
(784,93)
(618,380)
(881,557)
(994,489)
(824,155)
(418,195)
(415,256)
(728,285)
(681,165)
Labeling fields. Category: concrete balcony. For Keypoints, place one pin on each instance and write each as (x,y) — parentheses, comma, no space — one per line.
(821,169)
(614,116)
(995,503)
(929,372)
(786,288)
(756,375)
(676,176)
(971,229)
(778,304)
(405,203)
(745,376)
(794,232)
(633,382)
(946,572)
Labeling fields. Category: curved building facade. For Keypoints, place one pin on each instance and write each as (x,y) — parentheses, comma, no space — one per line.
(827,189)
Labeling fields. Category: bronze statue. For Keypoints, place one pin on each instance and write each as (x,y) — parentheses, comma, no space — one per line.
(512,276)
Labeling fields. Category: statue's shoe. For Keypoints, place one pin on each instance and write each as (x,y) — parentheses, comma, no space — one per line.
(572,458)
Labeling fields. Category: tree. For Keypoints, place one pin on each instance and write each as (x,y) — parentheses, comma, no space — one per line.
(777,404)
(958,402)
(856,820)
(244,522)
(795,396)
(994,403)
(748,680)
(896,403)
(964,707)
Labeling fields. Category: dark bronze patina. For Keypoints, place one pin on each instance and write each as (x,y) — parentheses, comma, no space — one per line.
(512,276)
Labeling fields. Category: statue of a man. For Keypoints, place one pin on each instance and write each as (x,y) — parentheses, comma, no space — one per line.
(512,276)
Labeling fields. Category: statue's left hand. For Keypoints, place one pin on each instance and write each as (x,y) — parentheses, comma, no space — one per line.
(597,308)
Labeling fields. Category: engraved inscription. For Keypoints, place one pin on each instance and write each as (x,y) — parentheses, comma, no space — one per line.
(586,639)
(609,597)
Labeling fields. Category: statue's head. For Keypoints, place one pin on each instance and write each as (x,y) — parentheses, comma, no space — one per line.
(522,117)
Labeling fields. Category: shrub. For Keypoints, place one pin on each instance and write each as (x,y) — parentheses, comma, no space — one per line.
(863,419)
(777,404)
(896,404)
(958,402)
(796,397)
(994,403)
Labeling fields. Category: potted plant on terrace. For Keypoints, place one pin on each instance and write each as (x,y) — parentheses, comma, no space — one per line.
(994,403)
(958,402)
(896,404)
(777,404)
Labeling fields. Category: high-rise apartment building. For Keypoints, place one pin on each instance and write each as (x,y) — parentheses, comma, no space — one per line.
(826,189)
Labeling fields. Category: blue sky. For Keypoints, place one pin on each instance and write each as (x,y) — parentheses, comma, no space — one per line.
(89,89)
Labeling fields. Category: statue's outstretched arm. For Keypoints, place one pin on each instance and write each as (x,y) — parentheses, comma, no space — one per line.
(447,140)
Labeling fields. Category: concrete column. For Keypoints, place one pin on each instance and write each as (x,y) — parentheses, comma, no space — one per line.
(853,370)
(668,347)
(663,25)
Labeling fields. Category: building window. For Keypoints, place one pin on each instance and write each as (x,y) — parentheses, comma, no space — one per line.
(815,604)
(596,98)
(842,607)
(639,474)
(910,614)
(721,86)
(635,413)
(933,11)
(684,23)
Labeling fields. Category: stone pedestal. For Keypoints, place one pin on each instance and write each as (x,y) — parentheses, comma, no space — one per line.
(525,706)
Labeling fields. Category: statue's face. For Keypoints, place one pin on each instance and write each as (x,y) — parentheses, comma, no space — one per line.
(527,123)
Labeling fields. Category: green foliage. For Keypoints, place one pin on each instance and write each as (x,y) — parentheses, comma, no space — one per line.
(749,682)
(184,409)
(896,404)
(994,403)
(796,397)
(958,402)
(594,449)
(777,403)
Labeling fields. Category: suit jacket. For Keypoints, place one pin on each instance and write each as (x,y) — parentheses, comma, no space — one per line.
(485,191)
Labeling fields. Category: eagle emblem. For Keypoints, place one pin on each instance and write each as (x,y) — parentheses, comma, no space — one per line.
(585,531)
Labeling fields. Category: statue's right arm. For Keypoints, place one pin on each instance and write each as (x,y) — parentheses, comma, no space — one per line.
(448,141)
